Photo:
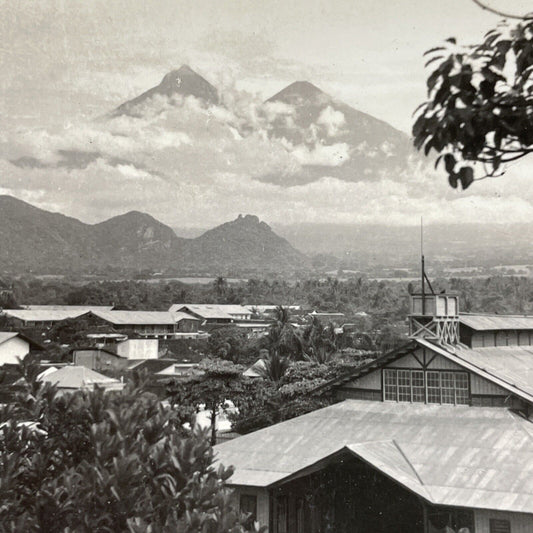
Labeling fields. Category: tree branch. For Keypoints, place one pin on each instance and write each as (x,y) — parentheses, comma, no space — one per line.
(501,13)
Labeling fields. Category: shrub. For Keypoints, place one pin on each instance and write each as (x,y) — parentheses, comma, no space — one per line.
(106,462)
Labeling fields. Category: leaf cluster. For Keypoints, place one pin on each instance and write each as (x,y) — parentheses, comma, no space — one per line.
(479,112)
(105,462)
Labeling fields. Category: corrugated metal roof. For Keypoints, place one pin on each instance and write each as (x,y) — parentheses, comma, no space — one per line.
(450,455)
(6,335)
(212,310)
(510,367)
(45,315)
(256,370)
(39,307)
(77,377)
(495,322)
(178,316)
(512,364)
(136,318)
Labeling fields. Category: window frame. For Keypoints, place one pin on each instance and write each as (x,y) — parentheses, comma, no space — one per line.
(394,379)
(499,525)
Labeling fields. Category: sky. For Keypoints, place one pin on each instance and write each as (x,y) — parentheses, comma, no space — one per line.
(67,62)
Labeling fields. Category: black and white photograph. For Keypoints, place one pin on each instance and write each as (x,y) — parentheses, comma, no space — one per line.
(266,266)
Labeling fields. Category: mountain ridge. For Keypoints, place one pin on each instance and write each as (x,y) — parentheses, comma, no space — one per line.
(39,241)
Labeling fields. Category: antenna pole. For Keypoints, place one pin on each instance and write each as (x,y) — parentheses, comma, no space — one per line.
(423,273)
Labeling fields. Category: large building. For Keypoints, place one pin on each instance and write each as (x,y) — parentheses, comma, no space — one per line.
(436,436)
(149,324)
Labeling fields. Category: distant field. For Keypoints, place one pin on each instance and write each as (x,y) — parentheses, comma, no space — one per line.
(192,280)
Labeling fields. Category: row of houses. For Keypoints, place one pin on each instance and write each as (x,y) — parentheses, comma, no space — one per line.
(180,321)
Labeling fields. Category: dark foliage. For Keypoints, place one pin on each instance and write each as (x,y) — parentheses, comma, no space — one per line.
(108,463)
(479,113)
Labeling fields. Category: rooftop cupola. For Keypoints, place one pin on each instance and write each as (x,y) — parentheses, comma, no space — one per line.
(433,316)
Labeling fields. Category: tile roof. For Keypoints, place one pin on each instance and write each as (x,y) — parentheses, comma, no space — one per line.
(449,455)
(495,322)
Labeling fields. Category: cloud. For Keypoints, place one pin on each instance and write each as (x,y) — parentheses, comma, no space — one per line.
(332,120)
(332,155)
(188,164)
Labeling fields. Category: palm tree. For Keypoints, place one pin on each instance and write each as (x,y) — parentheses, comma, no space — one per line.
(320,342)
(275,367)
(220,286)
(283,337)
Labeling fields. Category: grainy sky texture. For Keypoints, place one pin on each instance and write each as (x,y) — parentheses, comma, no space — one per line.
(66,62)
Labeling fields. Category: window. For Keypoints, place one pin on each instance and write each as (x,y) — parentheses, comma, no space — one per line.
(433,381)
(390,385)
(248,505)
(461,388)
(417,383)
(432,386)
(404,385)
(447,385)
(499,526)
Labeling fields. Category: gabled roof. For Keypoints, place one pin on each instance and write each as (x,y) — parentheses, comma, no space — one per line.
(510,367)
(205,310)
(136,318)
(213,310)
(180,369)
(152,366)
(366,368)
(449,455)
(7,335)
(78,377)
(179,316)
(496,322)
(256,370)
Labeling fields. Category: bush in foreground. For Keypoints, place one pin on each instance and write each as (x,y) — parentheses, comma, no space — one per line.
(106,462)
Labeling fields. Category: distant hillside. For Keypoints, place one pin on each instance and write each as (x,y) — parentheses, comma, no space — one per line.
(249,243)
(35,240)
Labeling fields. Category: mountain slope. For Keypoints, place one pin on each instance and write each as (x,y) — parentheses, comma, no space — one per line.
(35,240)
(246,244)
(31,238)
(182,82)
(139,236)
(336,140)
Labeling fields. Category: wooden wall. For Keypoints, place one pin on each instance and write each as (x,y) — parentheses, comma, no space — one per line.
(520,522)
(263,502)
